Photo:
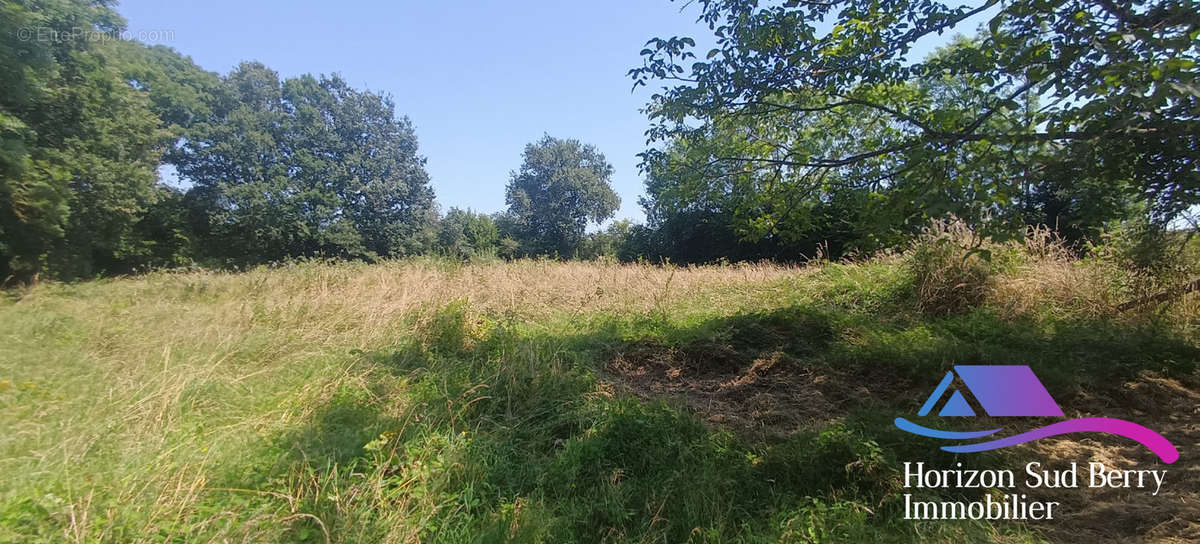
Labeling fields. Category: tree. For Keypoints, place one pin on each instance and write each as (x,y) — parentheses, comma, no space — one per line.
(80,142)
(466,234)
(304,167)
(561,187)
(612,242)
(1099,75)
(757,207)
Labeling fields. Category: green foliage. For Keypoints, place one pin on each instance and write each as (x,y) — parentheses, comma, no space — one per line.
(466,234)
(303,167)
(612,242)
(79,144)
(298,168)
(1057,113)
(561,187)
(180,92)
(163,239)
(1144,257)
(737,191)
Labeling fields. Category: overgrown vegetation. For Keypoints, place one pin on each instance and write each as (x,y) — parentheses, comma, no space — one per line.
(818,122)
(539,401)
(312,352)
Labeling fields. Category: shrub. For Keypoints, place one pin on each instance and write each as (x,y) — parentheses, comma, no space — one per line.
(1154,255)
(951,268)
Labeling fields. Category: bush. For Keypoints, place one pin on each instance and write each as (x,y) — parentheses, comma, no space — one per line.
(951,268)
(1154,254)
(466,235)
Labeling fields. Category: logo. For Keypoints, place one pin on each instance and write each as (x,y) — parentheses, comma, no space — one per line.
(1014,391)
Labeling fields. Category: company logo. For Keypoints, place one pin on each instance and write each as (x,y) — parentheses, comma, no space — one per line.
(1014,391)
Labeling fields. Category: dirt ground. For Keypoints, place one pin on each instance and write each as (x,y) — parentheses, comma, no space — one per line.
(769,395)
(762,397)
(1129,515)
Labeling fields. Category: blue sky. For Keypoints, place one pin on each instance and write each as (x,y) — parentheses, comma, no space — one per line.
(479,79)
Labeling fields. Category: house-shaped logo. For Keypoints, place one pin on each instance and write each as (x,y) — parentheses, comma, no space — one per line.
(1014,391)
(1001,390)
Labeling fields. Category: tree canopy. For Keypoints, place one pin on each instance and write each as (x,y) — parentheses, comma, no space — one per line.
(272,169)
(813,126)
(466,234)
(801,101)
(304,167)
(561,187)
(80,142)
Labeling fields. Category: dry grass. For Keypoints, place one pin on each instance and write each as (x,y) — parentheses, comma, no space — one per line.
(321,303)
(154,381)
(952,268)
(127,402)
(1048,278)
(955,269)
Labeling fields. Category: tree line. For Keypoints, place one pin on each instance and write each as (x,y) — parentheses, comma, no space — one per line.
(807,129)
(272,168)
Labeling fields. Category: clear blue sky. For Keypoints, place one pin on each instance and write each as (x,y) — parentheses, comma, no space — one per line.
(479,79)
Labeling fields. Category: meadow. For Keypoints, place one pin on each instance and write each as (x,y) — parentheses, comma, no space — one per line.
(430,400)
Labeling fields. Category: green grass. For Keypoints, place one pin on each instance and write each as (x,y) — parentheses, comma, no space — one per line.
(306,404)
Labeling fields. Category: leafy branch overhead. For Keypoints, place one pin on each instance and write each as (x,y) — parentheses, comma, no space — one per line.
(829,92)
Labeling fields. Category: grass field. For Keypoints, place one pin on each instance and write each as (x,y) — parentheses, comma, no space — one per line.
(432,401)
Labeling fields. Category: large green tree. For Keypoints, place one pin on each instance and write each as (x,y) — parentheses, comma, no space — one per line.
(304,167)
(80,141)
(806,98)
(561,187)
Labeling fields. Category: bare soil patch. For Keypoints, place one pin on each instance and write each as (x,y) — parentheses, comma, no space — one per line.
(765,395)
(1091,515)
(771,394)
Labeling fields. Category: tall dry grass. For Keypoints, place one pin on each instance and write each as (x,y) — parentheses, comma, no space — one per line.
(954,269)
(320,302)
(139,388)
(127,402)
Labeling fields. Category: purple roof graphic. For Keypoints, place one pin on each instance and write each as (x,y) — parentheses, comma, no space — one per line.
(1013,390)
(1001,390)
